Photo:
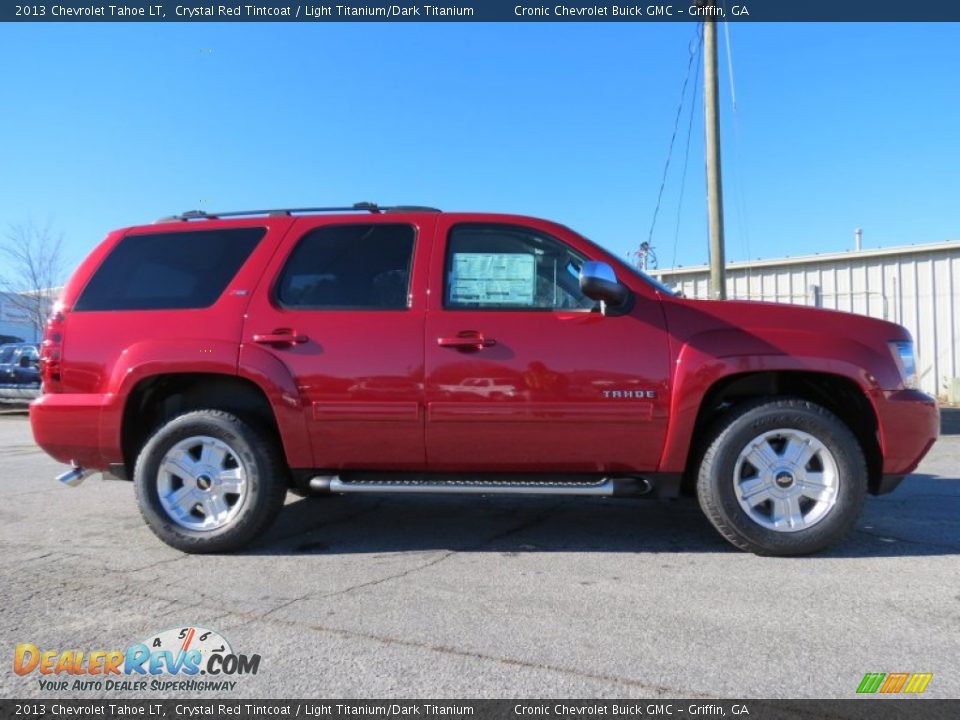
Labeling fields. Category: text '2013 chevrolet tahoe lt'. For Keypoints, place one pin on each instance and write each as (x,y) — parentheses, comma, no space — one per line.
(220,360)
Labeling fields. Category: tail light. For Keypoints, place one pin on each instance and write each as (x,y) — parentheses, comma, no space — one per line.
(50,352)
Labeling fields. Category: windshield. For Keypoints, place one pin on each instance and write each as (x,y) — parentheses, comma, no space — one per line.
(666,289)
(659,286)
(6,354)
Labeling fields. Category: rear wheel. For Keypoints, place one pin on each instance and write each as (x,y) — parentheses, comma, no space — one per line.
(209,482)
(782,477)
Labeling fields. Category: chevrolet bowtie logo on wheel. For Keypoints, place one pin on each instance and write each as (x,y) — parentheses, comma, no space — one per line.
(893,683)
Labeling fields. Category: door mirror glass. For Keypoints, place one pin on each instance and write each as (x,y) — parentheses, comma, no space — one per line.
(599,282)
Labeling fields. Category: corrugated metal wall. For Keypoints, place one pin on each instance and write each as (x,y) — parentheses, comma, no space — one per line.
(916,286)
(14,319)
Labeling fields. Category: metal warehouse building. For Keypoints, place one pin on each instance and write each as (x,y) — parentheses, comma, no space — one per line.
(14,319)
(917,286)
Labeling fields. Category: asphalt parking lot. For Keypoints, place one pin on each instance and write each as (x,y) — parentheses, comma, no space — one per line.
(363,596)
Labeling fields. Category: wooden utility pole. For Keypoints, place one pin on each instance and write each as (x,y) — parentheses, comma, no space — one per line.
(711,104)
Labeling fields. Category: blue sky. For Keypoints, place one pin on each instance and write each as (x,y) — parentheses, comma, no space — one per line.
(838,126)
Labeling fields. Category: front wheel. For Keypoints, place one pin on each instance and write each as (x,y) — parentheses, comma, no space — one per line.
(782,477)
(209,482)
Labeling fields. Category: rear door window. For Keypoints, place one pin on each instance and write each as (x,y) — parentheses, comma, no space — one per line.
(169,271)
(342,267)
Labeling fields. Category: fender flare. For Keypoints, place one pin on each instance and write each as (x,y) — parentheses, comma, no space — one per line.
(277,382)
(718,355)
(142,361)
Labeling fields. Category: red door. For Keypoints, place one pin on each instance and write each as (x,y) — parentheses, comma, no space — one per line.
(341,307)
(522,372)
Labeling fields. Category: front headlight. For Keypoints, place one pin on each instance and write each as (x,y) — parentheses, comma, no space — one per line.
(903,355)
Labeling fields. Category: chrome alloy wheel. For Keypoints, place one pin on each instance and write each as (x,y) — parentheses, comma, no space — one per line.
(202,483)
(786,480)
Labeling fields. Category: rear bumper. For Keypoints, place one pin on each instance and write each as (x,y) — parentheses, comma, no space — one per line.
(68,428)
(909,425)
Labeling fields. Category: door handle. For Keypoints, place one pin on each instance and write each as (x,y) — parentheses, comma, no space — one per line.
(281,336)
(467,340)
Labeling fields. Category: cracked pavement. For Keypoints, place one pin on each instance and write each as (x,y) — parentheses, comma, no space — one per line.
(445,596)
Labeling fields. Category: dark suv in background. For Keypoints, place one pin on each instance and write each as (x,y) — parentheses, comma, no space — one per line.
(19,365)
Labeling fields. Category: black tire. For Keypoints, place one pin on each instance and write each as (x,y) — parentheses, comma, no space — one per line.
(265,478)
(716,482)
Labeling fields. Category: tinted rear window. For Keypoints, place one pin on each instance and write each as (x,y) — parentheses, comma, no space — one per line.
(349,266)
(173,271)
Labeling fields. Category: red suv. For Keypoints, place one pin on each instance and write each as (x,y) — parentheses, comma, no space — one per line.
(222,360)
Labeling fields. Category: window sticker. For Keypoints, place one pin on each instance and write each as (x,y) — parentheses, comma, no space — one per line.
(493,279)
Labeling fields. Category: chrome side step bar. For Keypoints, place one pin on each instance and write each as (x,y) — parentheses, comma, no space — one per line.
(75,476)
(603,487)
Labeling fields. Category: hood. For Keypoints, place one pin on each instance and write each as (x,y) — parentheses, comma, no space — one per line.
(816,337)
(754,315)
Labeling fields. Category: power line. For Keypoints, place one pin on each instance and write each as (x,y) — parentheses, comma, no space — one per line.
(686,152)
(733,86)
(694,50)
(742,210)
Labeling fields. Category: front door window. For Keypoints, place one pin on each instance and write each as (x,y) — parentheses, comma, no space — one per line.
(500,267)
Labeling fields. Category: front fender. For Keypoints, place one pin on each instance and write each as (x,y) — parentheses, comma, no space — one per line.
(712,356)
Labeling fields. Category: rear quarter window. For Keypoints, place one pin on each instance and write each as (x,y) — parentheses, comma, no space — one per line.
(169,271)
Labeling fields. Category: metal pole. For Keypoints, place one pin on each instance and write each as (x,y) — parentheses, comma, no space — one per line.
(711,102)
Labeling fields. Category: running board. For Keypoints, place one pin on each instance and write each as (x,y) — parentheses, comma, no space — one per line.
(601,487)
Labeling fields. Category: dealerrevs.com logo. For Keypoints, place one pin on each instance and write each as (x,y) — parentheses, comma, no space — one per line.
(180,659)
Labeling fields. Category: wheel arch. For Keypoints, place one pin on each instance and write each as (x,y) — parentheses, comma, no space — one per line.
(157,398)
(839,394)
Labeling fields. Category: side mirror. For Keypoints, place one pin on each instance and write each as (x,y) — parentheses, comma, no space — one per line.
(26,361)
(599,282)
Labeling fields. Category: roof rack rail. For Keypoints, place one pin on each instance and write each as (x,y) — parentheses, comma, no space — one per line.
(356,207)
(410,208)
